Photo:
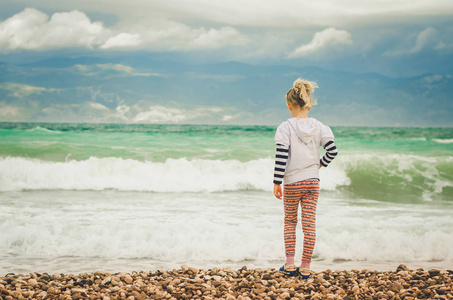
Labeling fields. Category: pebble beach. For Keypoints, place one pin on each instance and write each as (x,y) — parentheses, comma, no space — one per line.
(226,283)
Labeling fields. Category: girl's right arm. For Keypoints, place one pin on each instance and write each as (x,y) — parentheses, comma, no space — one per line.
(278,191)
(282,141)
(281,158)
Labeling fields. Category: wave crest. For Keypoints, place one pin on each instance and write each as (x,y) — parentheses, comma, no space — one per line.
(173,175)
(390,177)
(443,141)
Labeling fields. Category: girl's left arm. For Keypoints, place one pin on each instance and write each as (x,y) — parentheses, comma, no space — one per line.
(331,153)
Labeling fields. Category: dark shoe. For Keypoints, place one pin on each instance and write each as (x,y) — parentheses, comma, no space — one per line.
(290,270)
(304,273)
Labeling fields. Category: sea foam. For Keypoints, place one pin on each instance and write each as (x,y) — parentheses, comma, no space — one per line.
(444,141)
(389,177)
(173,175)
(222,229)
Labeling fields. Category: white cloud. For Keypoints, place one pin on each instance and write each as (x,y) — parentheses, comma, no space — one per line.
(96,112)
(97,106)
(32,29)
(122,112)
(9,111)
(226,118)
(424,38)
(427,39)
(166,35)
(111,70)
(433,78)
(323,39)
(161,114)
(214,39)
(16,112)
(123,40)
(223,78)
(19,90)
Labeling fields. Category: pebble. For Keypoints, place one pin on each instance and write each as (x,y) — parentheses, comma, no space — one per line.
(128,279)
(191,283)
(32,282)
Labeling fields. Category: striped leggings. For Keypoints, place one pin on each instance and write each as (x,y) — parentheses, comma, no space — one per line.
(306,193)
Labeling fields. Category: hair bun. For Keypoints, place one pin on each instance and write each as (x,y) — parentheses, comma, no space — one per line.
(304,88)
(304,85)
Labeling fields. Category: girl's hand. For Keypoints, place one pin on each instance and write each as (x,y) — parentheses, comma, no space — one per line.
(278,191)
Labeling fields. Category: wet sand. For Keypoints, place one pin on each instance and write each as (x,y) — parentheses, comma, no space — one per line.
(191,283)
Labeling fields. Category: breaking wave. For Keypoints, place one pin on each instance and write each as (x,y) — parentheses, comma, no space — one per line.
(368,176)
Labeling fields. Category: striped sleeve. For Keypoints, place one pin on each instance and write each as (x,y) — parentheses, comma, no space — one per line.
(281,157)
(331,153)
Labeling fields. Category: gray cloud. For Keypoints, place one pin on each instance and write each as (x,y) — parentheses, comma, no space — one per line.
(266,13)
(402,39)
(256,32)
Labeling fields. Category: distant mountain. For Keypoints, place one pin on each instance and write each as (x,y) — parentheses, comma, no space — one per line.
(254,94)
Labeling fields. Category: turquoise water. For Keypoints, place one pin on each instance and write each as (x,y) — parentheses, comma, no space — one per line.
(85,197)
(54,142)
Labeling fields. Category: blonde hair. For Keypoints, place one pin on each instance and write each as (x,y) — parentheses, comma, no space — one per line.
(301,92)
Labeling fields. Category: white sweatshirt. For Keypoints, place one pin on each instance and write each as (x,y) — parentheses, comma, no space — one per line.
(298,142)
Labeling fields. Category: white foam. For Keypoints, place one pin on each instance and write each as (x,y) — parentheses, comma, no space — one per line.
(419,175)
(384,233)
(334,175)
(221,227)
(173,175)
(444,141)
(39,128)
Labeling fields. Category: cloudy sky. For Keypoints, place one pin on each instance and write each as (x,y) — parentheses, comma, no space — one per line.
(396,39)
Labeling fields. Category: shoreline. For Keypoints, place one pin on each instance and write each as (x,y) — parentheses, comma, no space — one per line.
(191,283)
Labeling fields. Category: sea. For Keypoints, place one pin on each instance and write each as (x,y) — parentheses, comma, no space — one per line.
(129,197)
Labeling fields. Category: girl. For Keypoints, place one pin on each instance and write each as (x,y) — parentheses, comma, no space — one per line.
(297,164)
